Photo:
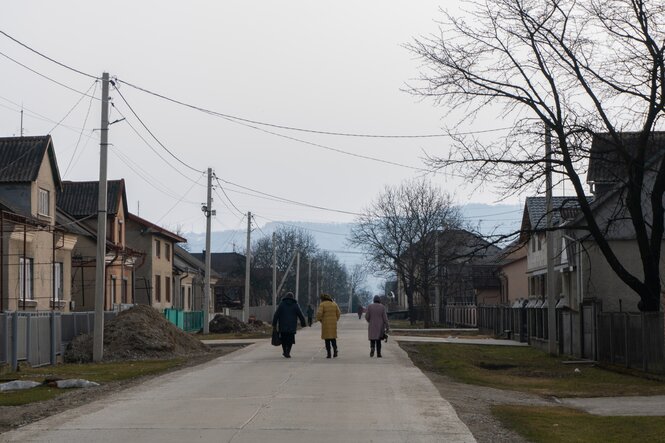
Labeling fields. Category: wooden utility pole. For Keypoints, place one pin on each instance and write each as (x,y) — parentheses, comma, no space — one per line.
(297,274)
(245,311)
(274,273)
(207,210)
(309,282)
(100,274)
(551,286)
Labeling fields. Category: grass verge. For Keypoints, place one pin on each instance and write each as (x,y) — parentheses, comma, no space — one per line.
(525,369)
(557,424)
(97,372)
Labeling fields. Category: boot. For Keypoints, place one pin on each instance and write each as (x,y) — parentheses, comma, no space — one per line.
(335,353)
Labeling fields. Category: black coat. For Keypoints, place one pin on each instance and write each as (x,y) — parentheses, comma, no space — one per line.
(287,314)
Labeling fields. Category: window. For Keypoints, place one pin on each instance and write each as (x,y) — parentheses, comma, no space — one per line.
(57,277)
(25,279)
(123,290)
(189,297)
(167,288)
(158,249)
(167,251)
(540,240)
(533,244)
(44,202)
(158,288)
(181,302)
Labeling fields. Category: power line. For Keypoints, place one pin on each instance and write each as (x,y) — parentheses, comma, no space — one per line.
(152,148)
(47,57)
(74,107)
(180,200)
(226,195)
(85,121)
(286,200)
(151,133)
(42,75)
(299,227)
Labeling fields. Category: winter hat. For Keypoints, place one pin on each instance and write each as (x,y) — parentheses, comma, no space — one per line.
(289,295)
(377,299)
(326,297)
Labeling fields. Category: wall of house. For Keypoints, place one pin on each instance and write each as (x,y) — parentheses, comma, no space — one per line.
(143,272)
(601,282)
(515,280)
(44,181)
(18,197)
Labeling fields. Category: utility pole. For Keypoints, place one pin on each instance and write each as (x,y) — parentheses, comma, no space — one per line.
(551,287)
(437,282)
(100,274)
(309,282)
(207,210)
(274,273)
(297,274)
(348,309)
(245,311)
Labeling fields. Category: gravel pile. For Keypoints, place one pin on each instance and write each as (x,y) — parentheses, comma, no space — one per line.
(138,333)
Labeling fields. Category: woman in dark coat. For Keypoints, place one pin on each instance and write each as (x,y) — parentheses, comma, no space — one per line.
(377,318)
(285,321)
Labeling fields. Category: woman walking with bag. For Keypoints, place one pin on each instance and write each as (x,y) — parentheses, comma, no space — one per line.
(377,318)
(286,321)
(328,314)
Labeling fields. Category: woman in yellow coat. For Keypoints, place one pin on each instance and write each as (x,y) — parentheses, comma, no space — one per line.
(328,314)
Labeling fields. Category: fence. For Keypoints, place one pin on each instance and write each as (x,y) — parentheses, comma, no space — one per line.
(263,313)
(188,321)
(633,340)
(40,337)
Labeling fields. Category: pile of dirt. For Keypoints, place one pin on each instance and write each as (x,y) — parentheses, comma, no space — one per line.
(223,324)
(138,333)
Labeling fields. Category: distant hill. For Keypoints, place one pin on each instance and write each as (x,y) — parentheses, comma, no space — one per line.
(332,237)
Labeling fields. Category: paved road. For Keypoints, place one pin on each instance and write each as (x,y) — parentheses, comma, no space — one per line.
(257,395)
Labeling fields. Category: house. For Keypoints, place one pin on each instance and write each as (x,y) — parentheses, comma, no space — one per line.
(582,256)
(35,252)
(466,270)
(155,282)
(189,275)
(78,201)
(229,291)
(512,273)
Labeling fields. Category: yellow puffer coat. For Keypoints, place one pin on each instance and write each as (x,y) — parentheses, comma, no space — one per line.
(328,314)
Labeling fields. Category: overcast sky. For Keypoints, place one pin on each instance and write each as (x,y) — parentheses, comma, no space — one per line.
(328,66)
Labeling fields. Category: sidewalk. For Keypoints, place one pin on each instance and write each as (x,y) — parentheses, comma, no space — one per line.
(255,394)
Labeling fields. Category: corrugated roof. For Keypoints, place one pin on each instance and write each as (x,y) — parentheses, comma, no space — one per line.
(156,229)
(605,162)
(535,209)
(79,199)
(21,158)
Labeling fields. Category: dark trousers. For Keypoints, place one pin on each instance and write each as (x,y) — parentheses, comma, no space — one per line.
(309,320)
(288,339)
(375,344)
(331,342)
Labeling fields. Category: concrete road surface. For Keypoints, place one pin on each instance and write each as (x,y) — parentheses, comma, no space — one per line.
(256,395)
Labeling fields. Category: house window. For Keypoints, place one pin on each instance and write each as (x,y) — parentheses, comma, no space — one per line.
(182,298)
(540,239)
(189,297)
(25,279)
(158,248)
(57,278)
(533,244)
(123,290)
(158,288)
(167,288)
(167,251)
(44,200)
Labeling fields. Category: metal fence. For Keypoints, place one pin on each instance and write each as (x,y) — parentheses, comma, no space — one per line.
(38,338)
(188,321)
(633,340)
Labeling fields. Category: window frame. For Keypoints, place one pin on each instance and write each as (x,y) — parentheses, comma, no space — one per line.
(158,288)
(158,248)
(22,263)
(44,202)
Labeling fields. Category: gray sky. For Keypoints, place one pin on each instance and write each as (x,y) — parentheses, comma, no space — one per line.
(329,66)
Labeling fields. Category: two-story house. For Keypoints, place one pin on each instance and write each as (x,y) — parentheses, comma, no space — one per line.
(189,274)
(155,282)
(79,201)
(35,253)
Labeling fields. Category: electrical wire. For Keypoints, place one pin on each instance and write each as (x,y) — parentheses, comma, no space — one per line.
(152,148)
(152,134)
(226,195)
(36,115)
(74,107)
(47,57)
(286,200)
(180,200)
(299,227)
(42,75)
(85,122)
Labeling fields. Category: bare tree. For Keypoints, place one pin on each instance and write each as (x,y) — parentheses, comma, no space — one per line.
(396,233)
(580,69)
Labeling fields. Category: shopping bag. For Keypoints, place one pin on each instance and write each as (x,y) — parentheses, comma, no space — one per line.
(276,341)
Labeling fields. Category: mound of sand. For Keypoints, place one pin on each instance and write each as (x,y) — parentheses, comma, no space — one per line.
(138,333)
